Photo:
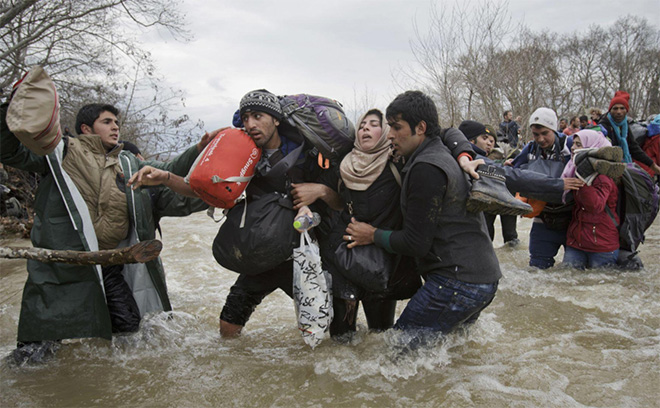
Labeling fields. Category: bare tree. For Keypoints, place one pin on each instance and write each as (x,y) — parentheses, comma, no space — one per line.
(91,51)
(362,101)
(476,65)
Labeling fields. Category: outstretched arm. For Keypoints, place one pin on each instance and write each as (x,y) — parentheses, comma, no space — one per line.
(151,176)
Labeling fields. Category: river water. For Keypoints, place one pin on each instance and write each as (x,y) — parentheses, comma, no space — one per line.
(557,338)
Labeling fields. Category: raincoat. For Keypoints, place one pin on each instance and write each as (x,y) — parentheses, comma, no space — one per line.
(67,301)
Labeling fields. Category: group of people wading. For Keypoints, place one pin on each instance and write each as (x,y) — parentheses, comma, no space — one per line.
(400,196)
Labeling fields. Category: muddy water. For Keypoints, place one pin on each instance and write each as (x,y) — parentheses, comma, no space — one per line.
(558,338)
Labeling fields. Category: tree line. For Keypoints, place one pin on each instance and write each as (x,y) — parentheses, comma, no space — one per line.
(472,58)
(476,62)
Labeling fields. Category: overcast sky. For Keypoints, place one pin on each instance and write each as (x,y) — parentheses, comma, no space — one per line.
(332,48)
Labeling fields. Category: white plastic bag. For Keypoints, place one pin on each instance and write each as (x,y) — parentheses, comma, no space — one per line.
(312,295)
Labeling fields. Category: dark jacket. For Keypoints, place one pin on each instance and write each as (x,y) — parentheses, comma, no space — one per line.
(379,205)
(437,229)
(510,131)
(528,183)
(636,151)
(559,154)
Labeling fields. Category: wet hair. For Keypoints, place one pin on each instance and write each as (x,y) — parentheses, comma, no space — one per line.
(506,112)
(414,107)
(88,114)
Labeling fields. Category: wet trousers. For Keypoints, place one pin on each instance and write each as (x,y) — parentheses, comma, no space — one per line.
(249,290)
(544,245)
(124,311)
(443,304)
(582,259)
(379,314)
(509,232)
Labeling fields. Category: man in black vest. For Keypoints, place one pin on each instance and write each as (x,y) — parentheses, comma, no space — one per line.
(438,230)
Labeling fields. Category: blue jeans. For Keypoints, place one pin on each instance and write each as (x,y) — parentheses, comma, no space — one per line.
(544,244)
(581,259)
(442,304)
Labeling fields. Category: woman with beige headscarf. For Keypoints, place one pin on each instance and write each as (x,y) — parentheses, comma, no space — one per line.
(367,188)
(368,182)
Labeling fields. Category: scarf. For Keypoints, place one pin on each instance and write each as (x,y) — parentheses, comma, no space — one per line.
(360,168)
(621,132)
(590,139)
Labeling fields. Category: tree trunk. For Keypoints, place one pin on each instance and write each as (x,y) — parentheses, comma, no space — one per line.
(139,253)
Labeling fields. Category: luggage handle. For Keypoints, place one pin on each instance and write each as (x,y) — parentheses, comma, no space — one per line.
(233,179)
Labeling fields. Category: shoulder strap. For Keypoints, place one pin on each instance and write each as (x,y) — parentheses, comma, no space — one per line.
(286,163)
(562,141)
(609,212)
(395,172)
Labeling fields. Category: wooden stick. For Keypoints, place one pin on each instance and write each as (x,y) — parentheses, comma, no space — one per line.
(141,252)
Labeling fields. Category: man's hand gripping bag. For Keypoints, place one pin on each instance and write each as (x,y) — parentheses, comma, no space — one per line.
(223,170)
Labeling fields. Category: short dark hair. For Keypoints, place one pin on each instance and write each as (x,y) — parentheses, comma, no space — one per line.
(414,107)
(506,112)
(584,118)
(131,147)
(88,114)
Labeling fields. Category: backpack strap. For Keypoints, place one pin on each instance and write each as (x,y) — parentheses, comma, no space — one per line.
(395,172)
(609,212)
(286,163)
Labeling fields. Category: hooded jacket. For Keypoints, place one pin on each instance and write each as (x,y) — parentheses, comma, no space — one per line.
(67,301)
(592,229)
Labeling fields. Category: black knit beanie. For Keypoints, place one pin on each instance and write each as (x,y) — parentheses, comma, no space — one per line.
(261,101)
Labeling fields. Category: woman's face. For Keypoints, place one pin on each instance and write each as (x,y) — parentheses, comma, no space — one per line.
(369,131)
(577,144)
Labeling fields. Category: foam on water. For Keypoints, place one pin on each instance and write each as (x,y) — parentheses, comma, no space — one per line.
(557,338)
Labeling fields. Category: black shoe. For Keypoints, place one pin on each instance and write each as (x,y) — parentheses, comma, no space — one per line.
(584,169)
(489,194)
(37,352)
(512,243)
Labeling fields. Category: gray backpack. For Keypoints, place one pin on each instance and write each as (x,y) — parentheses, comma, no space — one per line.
(322,122)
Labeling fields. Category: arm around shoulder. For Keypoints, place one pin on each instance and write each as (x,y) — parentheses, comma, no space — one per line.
(457,143)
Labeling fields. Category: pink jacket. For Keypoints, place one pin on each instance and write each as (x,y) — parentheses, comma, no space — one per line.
(592,229)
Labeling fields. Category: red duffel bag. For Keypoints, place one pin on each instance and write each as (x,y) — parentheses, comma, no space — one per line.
(224,169)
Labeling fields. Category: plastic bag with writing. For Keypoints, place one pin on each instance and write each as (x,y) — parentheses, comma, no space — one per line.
(312,287)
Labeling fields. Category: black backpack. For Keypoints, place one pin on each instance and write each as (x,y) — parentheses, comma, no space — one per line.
(637,207)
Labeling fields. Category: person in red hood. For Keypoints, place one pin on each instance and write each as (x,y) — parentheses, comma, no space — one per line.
(592,239)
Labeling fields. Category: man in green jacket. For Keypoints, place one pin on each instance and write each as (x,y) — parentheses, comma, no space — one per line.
(82,203)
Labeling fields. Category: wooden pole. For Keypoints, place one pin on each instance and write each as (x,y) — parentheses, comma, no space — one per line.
(141,252)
